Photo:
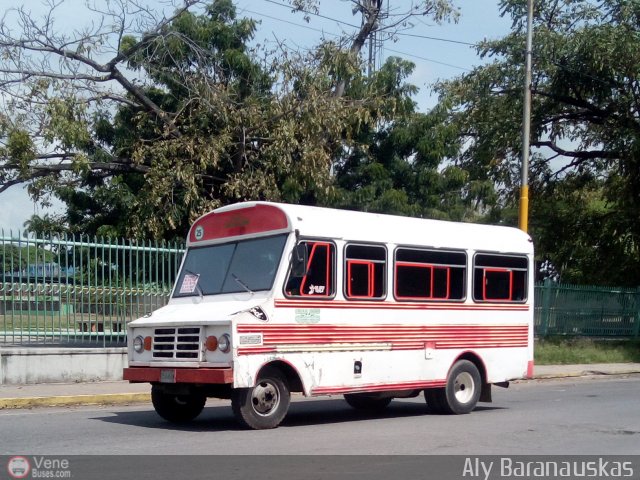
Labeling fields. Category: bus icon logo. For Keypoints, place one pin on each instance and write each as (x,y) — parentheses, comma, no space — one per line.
(18,467)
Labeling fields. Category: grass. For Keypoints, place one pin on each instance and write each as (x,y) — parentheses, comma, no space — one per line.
(564,351)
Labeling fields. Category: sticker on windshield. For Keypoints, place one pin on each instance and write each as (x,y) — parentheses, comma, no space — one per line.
(189,283)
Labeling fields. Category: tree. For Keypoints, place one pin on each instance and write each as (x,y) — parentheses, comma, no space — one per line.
(585,125)
(403,166)
(372,13)
(140,130)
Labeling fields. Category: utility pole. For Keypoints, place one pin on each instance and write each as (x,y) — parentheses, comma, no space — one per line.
(374,39)
(526,125)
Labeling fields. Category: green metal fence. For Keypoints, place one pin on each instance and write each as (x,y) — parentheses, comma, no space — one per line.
(586,311)
(77,290)
(80,290)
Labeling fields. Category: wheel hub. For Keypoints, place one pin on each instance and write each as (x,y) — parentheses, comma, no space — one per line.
(265,398)
(464,387)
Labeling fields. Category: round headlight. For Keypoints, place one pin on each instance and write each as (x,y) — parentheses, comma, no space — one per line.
(224,343)
(138,344)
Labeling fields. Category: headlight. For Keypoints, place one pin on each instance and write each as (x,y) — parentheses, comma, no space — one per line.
(138,344)
(224,343)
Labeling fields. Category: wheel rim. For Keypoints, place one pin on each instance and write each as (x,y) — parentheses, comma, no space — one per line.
(464,387)
(265,398)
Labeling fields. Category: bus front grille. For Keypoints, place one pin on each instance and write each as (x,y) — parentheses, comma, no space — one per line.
(176,343)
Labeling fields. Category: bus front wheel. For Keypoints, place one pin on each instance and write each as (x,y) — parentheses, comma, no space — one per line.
(461,393)
(177,408)
(264,405)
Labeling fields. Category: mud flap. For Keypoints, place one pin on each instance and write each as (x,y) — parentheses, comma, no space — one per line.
(485,394)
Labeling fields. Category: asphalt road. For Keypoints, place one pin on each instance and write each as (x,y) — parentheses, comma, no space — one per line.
(599,416)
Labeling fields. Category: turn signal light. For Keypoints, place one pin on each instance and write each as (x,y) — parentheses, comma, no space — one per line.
(212,343)
(147,343)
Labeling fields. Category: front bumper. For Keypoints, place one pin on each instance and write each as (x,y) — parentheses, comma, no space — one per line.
(178,375)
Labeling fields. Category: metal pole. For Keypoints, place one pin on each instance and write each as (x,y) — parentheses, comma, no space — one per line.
(526,124)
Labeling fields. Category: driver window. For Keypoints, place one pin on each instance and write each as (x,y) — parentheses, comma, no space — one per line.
(319,278)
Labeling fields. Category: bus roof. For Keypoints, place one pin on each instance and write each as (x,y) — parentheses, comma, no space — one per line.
(249,219)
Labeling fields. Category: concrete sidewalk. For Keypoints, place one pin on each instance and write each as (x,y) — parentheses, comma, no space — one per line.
(122,393)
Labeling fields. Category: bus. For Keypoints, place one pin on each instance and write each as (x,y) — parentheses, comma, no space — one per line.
(273,299)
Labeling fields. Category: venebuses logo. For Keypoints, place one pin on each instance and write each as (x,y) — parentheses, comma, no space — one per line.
(18,467)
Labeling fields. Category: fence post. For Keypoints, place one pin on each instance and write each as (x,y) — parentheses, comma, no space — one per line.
(636,327)
(545,314)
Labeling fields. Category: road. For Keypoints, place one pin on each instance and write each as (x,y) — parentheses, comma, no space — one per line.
(573,416)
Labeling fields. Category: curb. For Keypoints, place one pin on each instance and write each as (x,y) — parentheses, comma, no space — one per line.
(58,401)
(585,373)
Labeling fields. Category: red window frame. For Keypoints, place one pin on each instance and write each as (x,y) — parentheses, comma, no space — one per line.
(432,275)
(328,289)
(370,281)
(484,284)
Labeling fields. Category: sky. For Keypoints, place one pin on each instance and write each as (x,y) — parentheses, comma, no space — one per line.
(444,55)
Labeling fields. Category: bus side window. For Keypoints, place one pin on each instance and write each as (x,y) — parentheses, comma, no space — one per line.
(429,275)
(318,280)
(365,271)
(499,278)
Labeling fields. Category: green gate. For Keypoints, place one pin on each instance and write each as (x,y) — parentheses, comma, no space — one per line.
(59,290)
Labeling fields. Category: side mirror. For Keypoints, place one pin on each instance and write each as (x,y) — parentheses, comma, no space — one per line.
(299,259)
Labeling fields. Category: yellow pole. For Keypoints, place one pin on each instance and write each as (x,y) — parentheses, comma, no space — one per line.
(523,223)
(526,124)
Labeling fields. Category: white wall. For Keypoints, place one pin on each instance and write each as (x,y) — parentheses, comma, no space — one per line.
(53,365)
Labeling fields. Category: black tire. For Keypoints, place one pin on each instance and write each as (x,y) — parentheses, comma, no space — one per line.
(177,408)
(363,401)
(436,400)
(265,405)
(463,389)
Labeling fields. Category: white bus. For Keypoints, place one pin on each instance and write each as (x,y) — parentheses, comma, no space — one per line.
(273,299)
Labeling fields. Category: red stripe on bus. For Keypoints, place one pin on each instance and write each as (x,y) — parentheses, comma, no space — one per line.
(399,337)
(379,387)
(396,305)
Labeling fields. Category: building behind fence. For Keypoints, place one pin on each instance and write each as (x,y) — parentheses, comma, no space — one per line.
(82,291)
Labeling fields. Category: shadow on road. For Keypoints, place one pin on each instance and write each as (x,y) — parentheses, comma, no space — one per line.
(301,413)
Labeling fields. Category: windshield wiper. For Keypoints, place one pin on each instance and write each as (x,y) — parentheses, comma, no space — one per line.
(241,283)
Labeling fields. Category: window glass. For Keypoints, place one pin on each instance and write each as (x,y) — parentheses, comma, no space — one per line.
(365,271)
(429,274)
(319,278)
(247,265)
(500,278)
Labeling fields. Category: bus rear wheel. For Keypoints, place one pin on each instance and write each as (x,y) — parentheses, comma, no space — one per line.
(436,400)
(264,405)
(363,401)
(461,393)
(177,408)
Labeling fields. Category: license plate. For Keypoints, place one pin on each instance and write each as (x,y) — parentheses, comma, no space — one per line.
(167,376)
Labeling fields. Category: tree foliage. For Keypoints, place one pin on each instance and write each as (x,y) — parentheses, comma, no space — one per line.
(585,131)
(146,121)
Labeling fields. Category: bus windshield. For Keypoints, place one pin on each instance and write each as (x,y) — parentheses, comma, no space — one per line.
(242,266)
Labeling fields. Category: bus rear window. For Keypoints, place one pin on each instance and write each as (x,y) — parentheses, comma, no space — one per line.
(499,278)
